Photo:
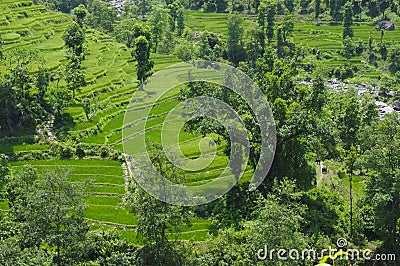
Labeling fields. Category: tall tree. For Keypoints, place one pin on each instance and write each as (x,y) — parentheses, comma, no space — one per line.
(74,75)
(80,13)
(158,21)
(42,81)
(280,43)
(235,49)
(141,53)
(348,20)
(124,31)
(383,6)
(268,8)
(155,217)
(144,7)
(382,159)
(357,8)
(317,8)
(394,60)
(102,15)
(74,37)
(334,9)
(373,8)
(180,19)
(290,5)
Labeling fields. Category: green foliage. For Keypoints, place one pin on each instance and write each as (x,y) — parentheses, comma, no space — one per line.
(80,13)
(158,22)
(235,51)
(317,7)
(4,170)
(180,19)
(49,212)
(106,248)
(101,15)
(141,53)
(394,60)
(74,75)
(267,9)
(381,157)
(144,7)
(11,253)
(74,37)
(155,217)
(124,31)
(373,8)
(348,20)
(65,5)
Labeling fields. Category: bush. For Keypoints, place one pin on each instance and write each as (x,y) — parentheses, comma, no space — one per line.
(104,151)
(80,152)
(65,152)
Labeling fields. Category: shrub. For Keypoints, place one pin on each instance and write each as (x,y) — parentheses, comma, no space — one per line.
(104,152)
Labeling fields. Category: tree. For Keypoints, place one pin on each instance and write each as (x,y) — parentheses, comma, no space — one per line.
(102,15)
(144,7)
(142,29)
(350,161)
(280,43)
(394,60)
(74,76)
(65,5)
(4,171)
(287,26)
(60,99)
(129,10)
(261,24)
(268,8)
(348,20)
(74,37)
(383,6)
(124,31)
(11,253)
(49,211)
(235,51)
(42,81)
(317,8)
(158,21)
(304,6)
(371,50)
(381,142)
(373,8)
(156,217)
(180,18)
(349,121)
(80,13)
(87,107)
(357,9)
(289,5)
(334,9)
(9,98)
(141,53)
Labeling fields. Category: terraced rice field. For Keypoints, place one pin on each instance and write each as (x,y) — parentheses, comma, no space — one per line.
(105,194)
(326,38)
(111,77)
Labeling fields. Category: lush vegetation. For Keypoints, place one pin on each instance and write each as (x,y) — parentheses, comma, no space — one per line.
(68,72)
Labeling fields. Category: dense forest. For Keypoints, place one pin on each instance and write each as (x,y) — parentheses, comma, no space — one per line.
(329,70)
